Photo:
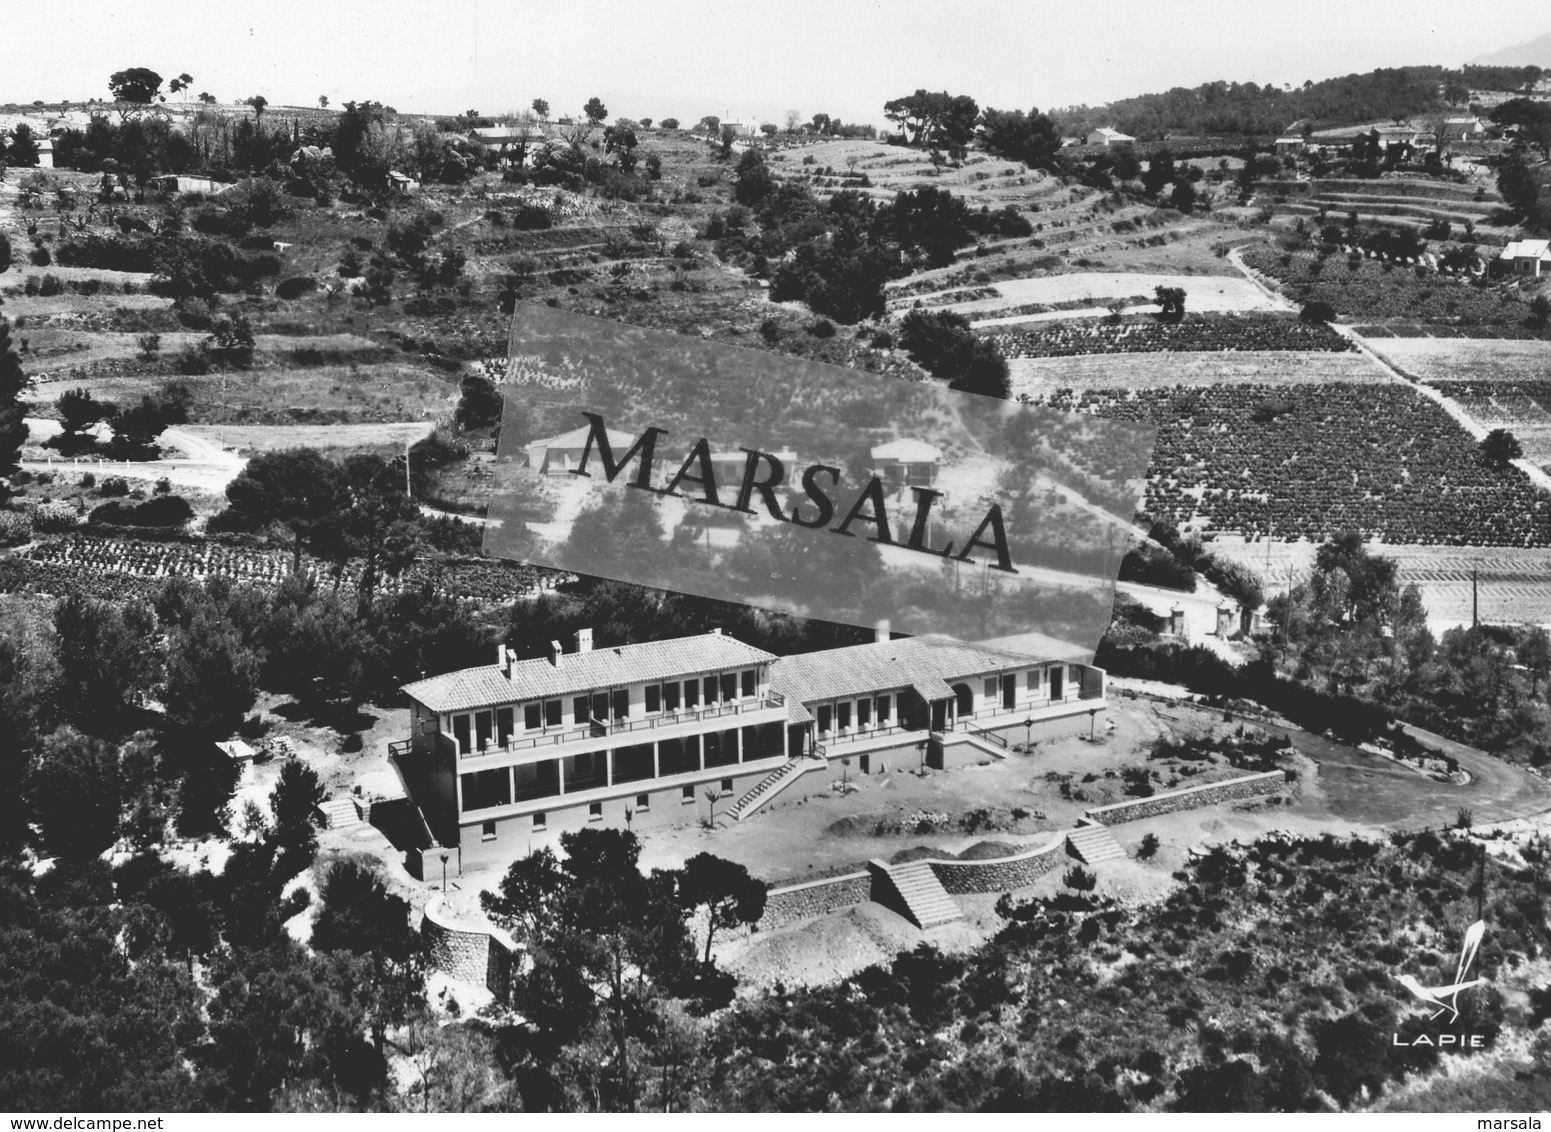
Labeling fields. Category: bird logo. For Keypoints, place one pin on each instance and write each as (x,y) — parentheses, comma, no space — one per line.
(1446,998)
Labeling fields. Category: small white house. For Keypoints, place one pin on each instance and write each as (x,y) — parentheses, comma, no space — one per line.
(45,153)
(1463,129)
(1104,135)
(1528,257)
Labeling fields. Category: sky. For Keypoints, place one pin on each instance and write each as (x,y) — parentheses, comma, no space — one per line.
(733,58)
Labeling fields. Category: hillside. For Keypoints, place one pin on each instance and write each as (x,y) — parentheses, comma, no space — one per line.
(1535,53)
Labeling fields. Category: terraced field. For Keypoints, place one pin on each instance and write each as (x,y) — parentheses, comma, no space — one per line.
(1308,461)
(1473,360)
(1039,378)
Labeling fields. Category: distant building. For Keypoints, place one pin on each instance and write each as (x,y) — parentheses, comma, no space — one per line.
(45,153)
(557,455)
(504,139)
(1463,129)
(1104,135)
(906,463)
(1290,145)
(1527,257)
(185,183)
(402,184)
(739,129)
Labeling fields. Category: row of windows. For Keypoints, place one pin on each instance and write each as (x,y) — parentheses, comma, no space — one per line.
(837,717)
(670,696)
(643,805)
(590,770)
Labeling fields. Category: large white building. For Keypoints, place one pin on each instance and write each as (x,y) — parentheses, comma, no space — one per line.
(505,756)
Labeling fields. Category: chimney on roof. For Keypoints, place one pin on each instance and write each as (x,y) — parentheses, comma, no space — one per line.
(881,632)
(555,653)
(716,632)
(583,640)
(504,659)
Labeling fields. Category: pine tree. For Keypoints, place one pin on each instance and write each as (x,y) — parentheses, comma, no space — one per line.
(13,424)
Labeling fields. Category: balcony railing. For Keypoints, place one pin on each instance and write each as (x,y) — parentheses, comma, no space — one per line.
(602,729)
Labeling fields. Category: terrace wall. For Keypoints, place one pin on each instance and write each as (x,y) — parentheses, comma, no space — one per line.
(1250,786)
(471,953)
(815,898)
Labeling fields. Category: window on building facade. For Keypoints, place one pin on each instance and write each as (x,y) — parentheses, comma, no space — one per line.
(582,709)
(883,710)
(687,794)
(749,683)
(553,713)
(729,686)
(532,716)
(726,786)
(504,725)
(540,821)
(487,831)
(621,703)
(670,696)
(654,697)
(863,713)
(595,811)
(708,686)
(824,718)
(991,688)
(691,693)
(643,803)
(843,716)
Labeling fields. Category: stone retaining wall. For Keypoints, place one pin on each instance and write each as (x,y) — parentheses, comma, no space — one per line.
(472,953)
(1003,874)
(1250,786)
(815,898)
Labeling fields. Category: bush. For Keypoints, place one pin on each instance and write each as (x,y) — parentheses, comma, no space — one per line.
(1317,312)
(295,287)
(1079,879)
(54,518)
(40,256)
(162,511)
(15,528)
(113,486)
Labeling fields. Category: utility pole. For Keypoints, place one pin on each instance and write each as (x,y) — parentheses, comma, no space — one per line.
(409,491)
(1475,599)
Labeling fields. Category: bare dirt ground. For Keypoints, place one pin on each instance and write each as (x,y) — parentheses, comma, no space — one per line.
(1467,359)
(1042,376)
(1223,293)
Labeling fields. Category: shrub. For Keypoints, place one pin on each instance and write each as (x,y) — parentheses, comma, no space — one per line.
(40,256)
(295,287)
(15,528)
(1079,879)
(162,511)
(1148,848)
(113,486)
(54,518)
(1317,312)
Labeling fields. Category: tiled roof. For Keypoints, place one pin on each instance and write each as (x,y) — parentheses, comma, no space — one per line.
(928,664)
(582,672)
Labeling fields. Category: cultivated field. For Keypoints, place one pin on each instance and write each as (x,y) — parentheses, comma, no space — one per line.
(1040,377)
(1435,360)
(1095,288)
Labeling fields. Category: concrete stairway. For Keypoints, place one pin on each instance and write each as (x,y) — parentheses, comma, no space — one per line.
(339,813)
(1092,844)
(768,787)
(913,891)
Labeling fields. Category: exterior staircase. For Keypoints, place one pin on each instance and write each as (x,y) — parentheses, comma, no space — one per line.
(913,891)
(772,784)
(339,813)
(1092,844)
